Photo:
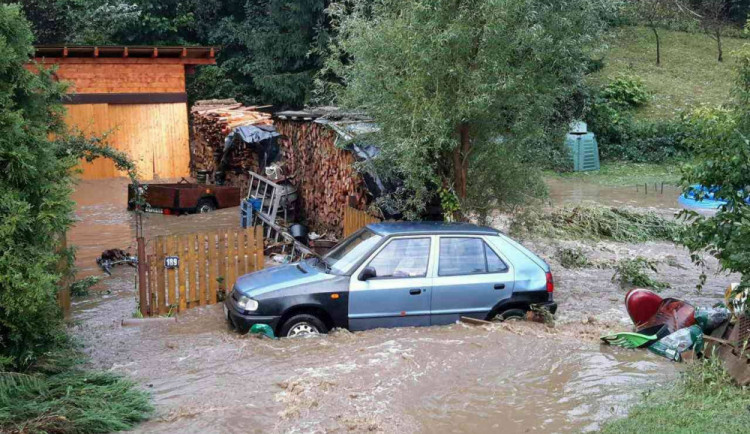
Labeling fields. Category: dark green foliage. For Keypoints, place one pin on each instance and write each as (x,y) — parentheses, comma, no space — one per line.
(722,160)
(35,186)
(623,138)
(572,257)
(36,180)
(626,91)
(635,272)
(594,222)
(80,288)
(58,396)
(268,53)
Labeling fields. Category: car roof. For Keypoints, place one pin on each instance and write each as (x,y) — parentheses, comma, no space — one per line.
(407,228)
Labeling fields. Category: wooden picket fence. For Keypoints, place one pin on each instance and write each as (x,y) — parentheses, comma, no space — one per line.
(209,264)
(355,219)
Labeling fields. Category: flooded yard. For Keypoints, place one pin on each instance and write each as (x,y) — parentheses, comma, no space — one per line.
(513,377)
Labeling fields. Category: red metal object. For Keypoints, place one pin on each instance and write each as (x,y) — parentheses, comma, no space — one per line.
(673,313)
(184,197)
(641,304)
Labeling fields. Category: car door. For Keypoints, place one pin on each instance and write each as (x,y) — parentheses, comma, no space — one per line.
(471,277)
(399,294)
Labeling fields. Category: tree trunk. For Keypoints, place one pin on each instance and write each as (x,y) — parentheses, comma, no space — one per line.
(461,161)
(718,44)
(658,46)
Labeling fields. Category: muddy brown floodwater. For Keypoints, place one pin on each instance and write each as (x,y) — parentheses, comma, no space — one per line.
(511,377)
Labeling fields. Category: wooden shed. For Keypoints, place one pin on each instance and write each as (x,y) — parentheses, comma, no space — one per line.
(137,95)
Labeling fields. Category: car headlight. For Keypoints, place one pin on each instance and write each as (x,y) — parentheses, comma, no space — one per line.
(247,303)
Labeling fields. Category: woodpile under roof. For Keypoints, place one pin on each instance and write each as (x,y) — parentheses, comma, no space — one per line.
(212,121)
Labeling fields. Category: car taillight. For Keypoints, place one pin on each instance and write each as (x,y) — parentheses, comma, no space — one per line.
(550,282)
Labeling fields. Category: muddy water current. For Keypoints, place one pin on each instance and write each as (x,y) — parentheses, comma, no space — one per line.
(511,377)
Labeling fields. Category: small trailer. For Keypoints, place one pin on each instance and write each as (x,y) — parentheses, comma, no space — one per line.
(184,197)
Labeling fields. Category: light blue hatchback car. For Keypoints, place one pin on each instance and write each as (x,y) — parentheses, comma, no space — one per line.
(397,274)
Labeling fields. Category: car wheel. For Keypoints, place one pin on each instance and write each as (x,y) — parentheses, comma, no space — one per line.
(303,324)
(204,206)
(511,315)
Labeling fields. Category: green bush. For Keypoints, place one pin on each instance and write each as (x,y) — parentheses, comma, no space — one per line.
(623,138)
(634,272)
(626,91)
(572,257)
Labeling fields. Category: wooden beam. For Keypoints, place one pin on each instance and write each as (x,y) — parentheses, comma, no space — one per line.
(126,60)
(96,51)
(65,51)
(184,52)
(125,52)
(155,54)
(126,98)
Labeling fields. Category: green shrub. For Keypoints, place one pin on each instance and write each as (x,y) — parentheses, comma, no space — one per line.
(634,272)
(626,91)
(623,138)
(572,257)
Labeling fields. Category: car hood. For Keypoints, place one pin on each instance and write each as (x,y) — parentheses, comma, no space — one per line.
(281,277)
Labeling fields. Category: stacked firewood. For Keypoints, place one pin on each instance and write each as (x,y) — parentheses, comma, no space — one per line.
(324,175)
(212,121)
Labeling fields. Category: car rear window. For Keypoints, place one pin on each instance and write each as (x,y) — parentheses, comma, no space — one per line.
(464,255)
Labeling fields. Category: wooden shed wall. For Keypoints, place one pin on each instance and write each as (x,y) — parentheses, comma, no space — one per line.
(123,78)
(154,135)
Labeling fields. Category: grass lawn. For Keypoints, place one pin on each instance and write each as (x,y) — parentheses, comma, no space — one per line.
(703,401)
(689,74)
(621,173)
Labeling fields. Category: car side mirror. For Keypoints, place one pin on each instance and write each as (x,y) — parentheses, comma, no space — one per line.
(367,274)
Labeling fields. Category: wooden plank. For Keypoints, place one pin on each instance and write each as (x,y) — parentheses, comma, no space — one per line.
(259,259)
(182,271)
(152,289)
(241,251)
(171,273)
(231,261)
(203,275)
(192,279)
(213,239)
(162,292)
(222,261)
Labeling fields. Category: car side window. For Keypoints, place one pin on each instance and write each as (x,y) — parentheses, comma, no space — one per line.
(494,263)
(464,256)
(460,256)
(402,257)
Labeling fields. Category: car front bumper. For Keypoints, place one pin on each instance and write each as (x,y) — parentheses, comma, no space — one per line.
(242,321)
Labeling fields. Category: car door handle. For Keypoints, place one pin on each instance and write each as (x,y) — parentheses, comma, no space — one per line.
(415,291)
(500,286)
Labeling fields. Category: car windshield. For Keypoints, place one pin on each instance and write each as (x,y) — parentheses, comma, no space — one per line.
(351,250)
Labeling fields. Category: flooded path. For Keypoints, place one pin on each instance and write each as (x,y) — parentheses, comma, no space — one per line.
(513,377)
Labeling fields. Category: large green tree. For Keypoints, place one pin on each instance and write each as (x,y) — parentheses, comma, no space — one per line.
(461,88)
(267,49)
(37,158)
(721,147)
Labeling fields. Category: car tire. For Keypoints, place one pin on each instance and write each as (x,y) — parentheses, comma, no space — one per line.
(511,315)
(205,205)
(302,324)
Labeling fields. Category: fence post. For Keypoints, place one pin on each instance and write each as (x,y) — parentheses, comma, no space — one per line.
(142,264)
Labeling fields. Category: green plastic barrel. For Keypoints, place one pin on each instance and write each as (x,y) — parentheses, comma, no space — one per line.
(584,150)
